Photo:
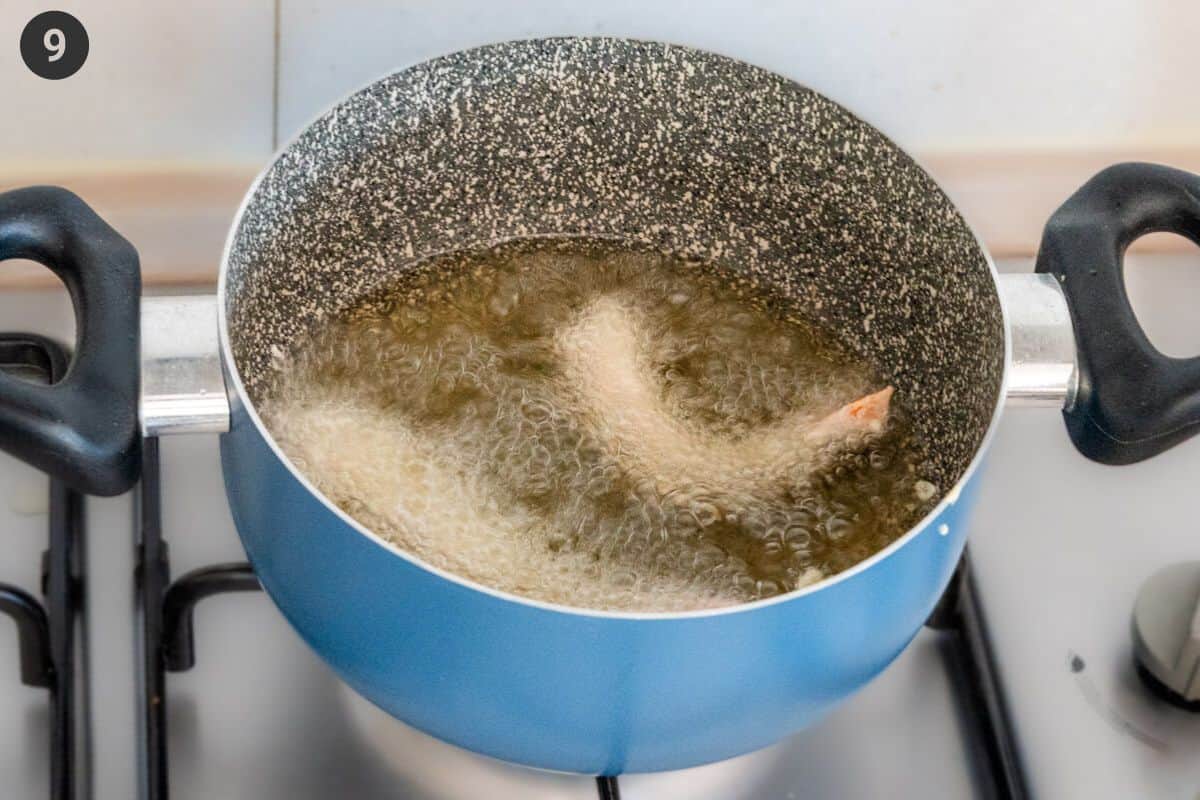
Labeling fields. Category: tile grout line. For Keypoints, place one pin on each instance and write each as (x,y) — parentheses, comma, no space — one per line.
(275,82)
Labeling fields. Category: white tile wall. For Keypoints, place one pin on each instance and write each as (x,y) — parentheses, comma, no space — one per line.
(936,74)
(192,81)
(164,81)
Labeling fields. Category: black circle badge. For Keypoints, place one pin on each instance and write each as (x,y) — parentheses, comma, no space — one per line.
(54,45)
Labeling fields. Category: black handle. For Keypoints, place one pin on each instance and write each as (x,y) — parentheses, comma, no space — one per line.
(1133,402)
(84,428)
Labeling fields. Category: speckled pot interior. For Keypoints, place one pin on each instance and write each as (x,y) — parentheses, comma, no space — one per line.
(678,149)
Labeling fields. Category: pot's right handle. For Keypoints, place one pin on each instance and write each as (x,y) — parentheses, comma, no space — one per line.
(1132,402)
(83,429)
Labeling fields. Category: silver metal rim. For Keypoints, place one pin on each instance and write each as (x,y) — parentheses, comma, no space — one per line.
(237,387)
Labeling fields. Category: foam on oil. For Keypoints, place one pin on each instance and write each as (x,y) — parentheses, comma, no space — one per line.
(596,426)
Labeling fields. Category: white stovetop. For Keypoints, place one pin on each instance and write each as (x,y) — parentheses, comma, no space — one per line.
(1060,547)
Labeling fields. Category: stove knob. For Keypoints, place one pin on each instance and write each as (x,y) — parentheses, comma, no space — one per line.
(1166,634)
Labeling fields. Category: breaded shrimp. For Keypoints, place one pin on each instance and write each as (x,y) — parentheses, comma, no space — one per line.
(603,360)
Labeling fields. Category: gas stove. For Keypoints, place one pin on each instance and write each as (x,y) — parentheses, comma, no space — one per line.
(147,664)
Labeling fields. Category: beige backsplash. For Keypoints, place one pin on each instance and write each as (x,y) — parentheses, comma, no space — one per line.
(178,215)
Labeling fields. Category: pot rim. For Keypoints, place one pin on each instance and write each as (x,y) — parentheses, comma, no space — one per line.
(233,378)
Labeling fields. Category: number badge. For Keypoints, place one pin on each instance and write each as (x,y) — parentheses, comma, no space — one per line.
(54,45)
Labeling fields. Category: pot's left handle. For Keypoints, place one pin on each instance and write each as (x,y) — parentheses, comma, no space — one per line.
(82,430)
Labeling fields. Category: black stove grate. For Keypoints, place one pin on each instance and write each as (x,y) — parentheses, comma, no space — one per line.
(169,646)
(608,788)
(46,629)
(966,646)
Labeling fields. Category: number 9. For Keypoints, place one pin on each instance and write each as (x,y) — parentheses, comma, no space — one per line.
(55,42)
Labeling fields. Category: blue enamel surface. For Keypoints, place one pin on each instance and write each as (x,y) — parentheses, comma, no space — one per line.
(574,692)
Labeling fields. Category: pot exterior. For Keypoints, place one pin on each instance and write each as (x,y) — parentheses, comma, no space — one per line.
(575,692)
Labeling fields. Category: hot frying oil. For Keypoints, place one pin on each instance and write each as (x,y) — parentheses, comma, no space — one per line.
(597,426)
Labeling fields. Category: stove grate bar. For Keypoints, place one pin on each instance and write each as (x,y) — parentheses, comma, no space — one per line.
(179,606)
(47,630)
(976,685)
(33,635)
(607,787)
